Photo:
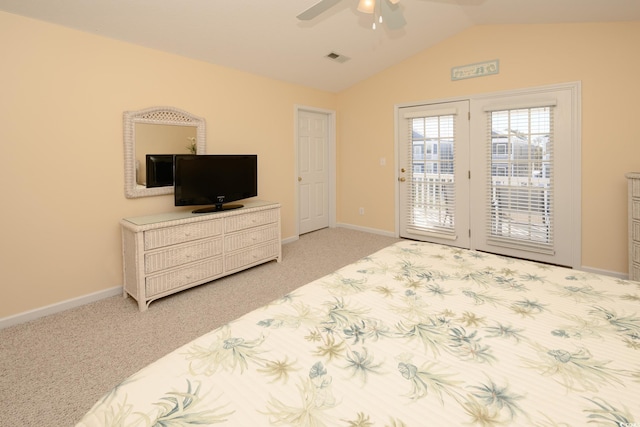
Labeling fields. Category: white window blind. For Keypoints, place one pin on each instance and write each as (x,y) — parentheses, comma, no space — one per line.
(521,182)
(430,177)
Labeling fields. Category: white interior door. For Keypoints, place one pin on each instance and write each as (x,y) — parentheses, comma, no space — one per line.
(434,173)
(313,171)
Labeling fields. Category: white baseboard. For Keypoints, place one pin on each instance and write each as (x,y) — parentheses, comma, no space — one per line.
(617,274)
(349,226)
(37,313)
(367,230)
(290,240)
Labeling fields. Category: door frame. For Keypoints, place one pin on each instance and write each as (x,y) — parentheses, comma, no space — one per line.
(576,158)
(331,159)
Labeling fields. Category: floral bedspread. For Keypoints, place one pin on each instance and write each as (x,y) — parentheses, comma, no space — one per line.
(414,335)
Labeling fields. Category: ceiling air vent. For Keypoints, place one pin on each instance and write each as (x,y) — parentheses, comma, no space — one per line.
(337,57)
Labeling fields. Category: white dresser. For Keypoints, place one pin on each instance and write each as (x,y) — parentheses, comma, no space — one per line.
(634,225)
(166,253)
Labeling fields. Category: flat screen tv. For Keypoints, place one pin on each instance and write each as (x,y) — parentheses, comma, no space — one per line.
(214,179)
(159,170)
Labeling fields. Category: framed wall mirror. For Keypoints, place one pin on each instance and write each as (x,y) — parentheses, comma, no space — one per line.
(155,133)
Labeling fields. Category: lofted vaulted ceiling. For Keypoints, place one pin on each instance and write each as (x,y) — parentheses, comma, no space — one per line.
(264,37)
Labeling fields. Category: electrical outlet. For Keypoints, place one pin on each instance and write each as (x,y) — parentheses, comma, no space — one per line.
(361,211)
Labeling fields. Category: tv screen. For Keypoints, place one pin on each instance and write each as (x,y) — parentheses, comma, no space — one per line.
(214,179)
(159,170)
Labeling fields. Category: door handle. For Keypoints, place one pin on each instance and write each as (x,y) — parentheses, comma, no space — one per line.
(402,179)
(299,179)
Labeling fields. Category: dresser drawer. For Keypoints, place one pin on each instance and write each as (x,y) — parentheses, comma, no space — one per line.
(162,237)
(635,231)
(254,219)
(175,256)
(635,188)
(635,209)
(634,274)
(253,236)
(184,276)
(635,252)
(251,256)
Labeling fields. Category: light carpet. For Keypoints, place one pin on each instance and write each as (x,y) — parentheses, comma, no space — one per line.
(53,369)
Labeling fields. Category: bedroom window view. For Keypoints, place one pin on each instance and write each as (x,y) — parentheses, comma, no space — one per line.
(432,173)
(521,181)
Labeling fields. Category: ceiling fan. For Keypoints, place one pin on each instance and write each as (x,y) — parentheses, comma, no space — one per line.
(387,11)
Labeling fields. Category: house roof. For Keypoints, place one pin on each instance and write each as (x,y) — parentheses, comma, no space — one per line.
(264,37)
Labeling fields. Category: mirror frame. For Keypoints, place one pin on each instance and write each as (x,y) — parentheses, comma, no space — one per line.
(159,116)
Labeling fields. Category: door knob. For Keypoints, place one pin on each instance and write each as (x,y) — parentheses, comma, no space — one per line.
(299,178)
(402,179)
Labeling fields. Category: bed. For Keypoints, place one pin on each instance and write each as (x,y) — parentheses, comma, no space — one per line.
(416,334)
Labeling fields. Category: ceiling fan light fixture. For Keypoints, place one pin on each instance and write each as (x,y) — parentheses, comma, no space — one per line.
(366,6)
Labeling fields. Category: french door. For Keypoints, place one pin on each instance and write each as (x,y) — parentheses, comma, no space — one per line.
(498,173)
(434,164)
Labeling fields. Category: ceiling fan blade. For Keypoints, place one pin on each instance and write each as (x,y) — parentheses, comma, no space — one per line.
(392,15)
(317,9)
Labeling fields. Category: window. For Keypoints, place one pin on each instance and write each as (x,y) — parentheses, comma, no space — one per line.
(432,181)
(521,198)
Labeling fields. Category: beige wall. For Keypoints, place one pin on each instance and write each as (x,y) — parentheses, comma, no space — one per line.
(62,95)
(604,57)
